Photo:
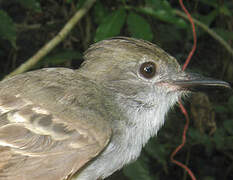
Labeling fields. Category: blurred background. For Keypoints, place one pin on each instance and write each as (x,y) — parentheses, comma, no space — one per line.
(26,25)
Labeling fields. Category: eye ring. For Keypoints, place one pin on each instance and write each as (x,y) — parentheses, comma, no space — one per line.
(148,70)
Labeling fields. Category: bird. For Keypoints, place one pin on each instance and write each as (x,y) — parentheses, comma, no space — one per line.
(86,123)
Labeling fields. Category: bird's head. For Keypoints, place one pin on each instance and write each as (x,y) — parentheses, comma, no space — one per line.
(140,70)
(142,78)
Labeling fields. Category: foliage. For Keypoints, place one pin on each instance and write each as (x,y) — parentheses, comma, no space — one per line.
(111,25)
(26,25)
(7,28)
(141,29)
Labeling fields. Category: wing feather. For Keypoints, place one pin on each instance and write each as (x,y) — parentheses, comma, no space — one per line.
(42,138)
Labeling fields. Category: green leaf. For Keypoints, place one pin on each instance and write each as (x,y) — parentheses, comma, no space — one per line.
(80,3)
(159,5)
(139,27)
(228,126)
(225,11)
(111,25)
(138,171)
(209,18)
(7,28)
(100,12)
(157,151)
(220,109)
(219,139)
(162,10)
(68,1)
(60,57)
(164,15)
(225,34)
(197,137)
(230,102)
(31,4)
(166,31)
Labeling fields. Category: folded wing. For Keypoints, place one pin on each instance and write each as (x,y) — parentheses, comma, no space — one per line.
(37,143)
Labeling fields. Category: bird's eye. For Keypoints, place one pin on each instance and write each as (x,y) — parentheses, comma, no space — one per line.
(148,70)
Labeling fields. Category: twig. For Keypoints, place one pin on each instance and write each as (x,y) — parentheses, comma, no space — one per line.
(25,27)
(208,30)
(55,41)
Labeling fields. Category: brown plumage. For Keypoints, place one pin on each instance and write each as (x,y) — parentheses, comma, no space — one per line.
(43,133)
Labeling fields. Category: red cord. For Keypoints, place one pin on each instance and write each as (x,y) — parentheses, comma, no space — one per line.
(194,35)
(182,144)
(181,106)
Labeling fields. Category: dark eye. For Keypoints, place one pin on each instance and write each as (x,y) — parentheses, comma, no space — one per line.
(148,70)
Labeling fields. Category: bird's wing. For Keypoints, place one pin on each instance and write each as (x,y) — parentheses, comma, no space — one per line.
(39,144)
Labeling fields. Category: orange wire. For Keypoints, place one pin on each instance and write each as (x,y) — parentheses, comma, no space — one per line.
(194,36)
(181,106)
(182,144)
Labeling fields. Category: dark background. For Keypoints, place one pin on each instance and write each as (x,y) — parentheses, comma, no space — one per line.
(26,25)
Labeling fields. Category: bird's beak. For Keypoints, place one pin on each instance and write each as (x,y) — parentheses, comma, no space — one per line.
(192,80)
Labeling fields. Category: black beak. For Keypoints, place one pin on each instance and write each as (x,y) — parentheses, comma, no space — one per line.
(192,80)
